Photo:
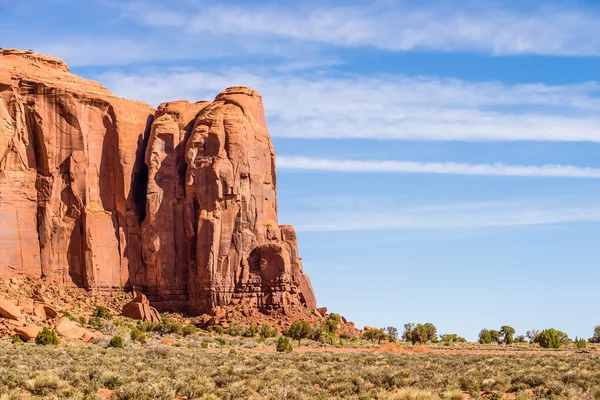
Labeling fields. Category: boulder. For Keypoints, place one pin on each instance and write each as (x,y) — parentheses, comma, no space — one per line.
(39,311)
(71,329)
(9,310)
(322,311)
(139,308)
(28,332)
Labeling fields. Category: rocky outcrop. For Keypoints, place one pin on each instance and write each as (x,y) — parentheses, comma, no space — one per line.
(139,308)
(107,194)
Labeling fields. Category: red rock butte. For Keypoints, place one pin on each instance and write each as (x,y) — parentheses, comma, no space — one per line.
(110,194)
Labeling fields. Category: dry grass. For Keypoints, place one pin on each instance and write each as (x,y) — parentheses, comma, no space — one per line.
(188,369)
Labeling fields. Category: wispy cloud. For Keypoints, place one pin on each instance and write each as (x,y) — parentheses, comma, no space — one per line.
(387,107)
(451,216)
(447,168)
(486,27)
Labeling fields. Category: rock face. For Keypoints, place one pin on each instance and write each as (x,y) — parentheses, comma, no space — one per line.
(107,194)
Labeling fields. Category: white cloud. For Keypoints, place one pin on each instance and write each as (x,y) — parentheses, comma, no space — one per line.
(447,168)
(388,107)
(451,216)
(445,26)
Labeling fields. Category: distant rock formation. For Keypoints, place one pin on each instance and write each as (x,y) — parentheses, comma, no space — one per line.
(109,194)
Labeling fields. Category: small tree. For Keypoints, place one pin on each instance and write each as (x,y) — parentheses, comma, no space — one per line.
(596,337)
(408,330)
(485,337)
(284,344)
(333,322)
(549,338)
(267,331)
(431,332)
(507,333)
(300,330)
(373,335)
(391,332)
(46,337)
(532,335)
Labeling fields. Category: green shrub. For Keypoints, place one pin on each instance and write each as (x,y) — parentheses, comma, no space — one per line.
(322,334)
(549,338)
(284,344)
(333,322)
(189,329)
(452,338)
(420,333)
(70,316)
(165,326)
(46,337)
(116,341)
(221,341)
(82,320)
(95,322)
(344,336)
(138,336)
(489,336)
(580,343)
(218,329)
(250,331)
(16,339)
(373,335)
(235,330)
(204,345)
(267,331)
(102,312)
(301,330)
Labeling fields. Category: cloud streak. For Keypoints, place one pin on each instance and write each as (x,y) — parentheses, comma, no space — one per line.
(387,107)
(451,216)
(482,27)
(445,168)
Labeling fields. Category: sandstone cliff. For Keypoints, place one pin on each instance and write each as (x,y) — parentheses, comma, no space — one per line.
(109,194)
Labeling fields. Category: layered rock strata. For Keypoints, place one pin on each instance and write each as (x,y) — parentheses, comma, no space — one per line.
(109,194)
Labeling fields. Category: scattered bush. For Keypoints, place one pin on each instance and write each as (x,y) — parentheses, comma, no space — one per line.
(284,344)
(235,330)
(189,329)
(218,329)
(301,330)
(221,341)
(116,342)
(267,331)
(322,334)
(102,312)
(420,333)
(580,343)
(549,338)
(95,322)
(489,336)
(374,334)
(138,336)
(333,322)
(452,338)
(46,337)
(250,331)
(16,339)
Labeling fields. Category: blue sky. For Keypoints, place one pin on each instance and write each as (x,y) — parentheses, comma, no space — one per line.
(440,160)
